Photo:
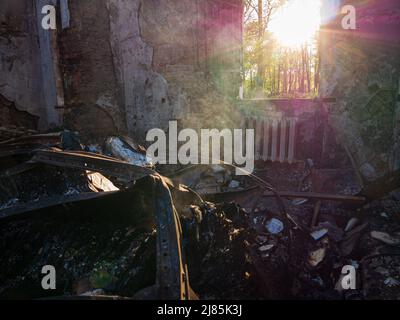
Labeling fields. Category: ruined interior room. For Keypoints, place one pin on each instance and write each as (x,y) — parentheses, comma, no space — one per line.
(112,180)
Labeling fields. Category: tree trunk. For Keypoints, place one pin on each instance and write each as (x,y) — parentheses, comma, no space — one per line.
(303,71)
(279,79)
(308,63)
(261,65)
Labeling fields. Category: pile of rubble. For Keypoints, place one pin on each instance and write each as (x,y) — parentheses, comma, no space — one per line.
(116,227)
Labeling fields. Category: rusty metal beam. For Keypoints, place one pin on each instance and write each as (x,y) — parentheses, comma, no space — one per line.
(40,139)
(121,170)
(18,210)
(172,277)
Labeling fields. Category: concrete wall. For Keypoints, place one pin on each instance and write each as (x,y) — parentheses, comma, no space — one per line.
(361,69)
(122,66)
(30,76)
(20,73)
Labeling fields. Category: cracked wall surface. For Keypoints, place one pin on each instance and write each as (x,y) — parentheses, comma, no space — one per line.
(126,66)
(92,95)
(20,77)
(30,76)
(144,63)
(144,92)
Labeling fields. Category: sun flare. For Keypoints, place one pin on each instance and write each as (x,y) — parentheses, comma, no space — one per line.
(296,23)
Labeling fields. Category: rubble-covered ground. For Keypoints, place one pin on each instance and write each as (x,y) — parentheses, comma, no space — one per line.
(239,242)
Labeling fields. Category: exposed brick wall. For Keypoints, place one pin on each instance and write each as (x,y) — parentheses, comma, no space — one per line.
(88,68)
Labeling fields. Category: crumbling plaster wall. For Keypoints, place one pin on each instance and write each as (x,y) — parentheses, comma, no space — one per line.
(123,66)
(108,70)
(197,49)
(144,92)
(361,69)
(20,75)
(142,63)
(92,94)
(30,76)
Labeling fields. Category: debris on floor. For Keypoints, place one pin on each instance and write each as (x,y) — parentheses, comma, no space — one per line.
(102,215)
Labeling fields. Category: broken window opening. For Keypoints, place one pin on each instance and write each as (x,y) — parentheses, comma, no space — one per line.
(281,48)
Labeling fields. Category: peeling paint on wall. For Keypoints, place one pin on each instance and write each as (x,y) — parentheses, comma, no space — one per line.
(144,91)
(142,63)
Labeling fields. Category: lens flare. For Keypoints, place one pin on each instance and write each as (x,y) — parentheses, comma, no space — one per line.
(296,23)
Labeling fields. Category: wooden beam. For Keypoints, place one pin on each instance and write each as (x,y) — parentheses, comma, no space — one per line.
(318,196)
(289,100)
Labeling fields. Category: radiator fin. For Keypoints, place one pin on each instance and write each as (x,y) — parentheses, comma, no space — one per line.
(275,138)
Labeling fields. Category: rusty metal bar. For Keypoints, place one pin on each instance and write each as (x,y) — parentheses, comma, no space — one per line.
(172,277)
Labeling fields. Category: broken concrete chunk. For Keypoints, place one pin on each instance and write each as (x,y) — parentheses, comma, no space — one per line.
(392,282)
(385,237)
(234,184)
(122,150)
(351,224)
(316,257)
(274,226)
(318,234)
(265,248)
(100,182)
